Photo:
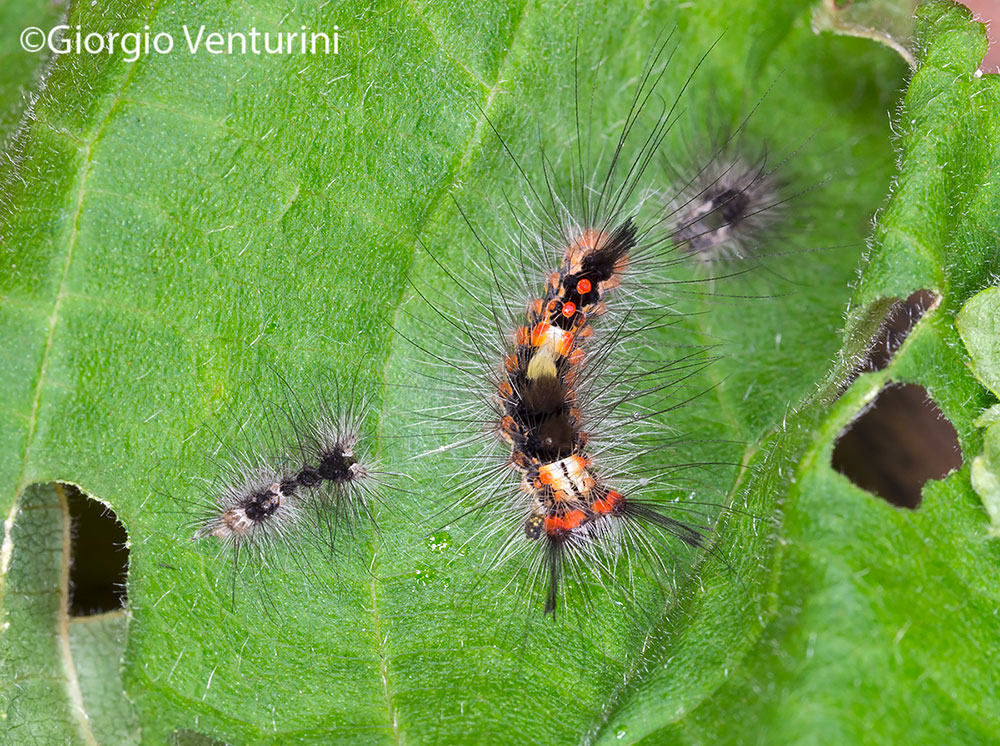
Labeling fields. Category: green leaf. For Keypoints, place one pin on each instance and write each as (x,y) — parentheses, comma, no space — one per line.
(97,644)
(62,681)
(887,21)
(181,227)
(978,324)
(882,627)
(985,468)
(21,71)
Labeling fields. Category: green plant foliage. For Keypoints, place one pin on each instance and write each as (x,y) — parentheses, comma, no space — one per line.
(976,324)
(187,238)
(22,72)
(887,21)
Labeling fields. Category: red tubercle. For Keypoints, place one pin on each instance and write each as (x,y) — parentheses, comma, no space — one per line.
(556,525)
(566,344)
(584,286)
(538,333)
(569,309)
(573,519)
(608,503)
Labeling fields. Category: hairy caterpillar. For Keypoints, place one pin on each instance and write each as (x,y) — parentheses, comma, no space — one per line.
(320,480)
(724,207)
(571,505)
(561,448)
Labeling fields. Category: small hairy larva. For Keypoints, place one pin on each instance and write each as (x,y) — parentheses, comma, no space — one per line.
(727,197)
(724,209)
(308,479)
(251,505)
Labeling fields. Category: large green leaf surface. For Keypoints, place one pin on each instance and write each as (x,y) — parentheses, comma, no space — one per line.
(187,238)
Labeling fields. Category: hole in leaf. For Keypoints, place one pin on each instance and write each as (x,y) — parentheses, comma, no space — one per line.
(897,444)
(99,565)
(898,323)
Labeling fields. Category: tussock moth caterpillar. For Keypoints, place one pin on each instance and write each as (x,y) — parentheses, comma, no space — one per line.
(309,478)
(555,419)
(729,196)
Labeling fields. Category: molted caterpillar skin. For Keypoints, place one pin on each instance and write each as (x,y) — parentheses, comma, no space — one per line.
(727,196)
(338,473)
(254,504)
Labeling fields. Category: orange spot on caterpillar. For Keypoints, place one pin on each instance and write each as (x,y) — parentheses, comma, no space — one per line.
(583,286)
(573,519)
(569,309)
(538,333)
(521,335)
(608,503)
(511,363)
(565,344)
(553,525)
(522,463)
(576,357)
(558,525)
(507,424)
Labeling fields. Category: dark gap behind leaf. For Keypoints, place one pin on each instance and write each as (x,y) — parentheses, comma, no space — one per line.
(99,564)
(898,324)
(897,444)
